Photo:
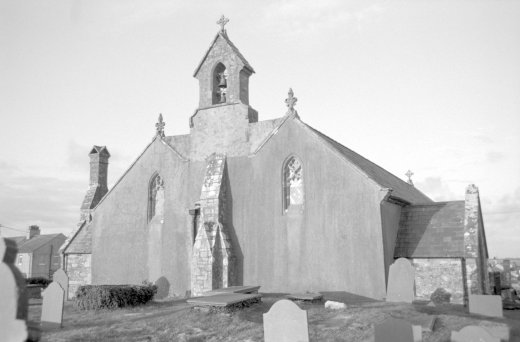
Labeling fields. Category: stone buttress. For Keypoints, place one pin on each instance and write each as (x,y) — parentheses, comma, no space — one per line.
(212,264)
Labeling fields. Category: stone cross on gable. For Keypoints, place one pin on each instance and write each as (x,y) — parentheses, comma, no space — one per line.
(291,100)
(159,126)
(222,22)
(409,174)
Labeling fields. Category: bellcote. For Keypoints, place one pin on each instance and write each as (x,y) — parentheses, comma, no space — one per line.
(223,73)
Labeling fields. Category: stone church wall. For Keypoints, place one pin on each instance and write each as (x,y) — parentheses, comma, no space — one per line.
(120,225)
(78,271)
(431,274)
(335,243)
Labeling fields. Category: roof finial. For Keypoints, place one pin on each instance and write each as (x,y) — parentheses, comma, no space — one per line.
(159,126)
(409,174)
(291,101)
(222,22)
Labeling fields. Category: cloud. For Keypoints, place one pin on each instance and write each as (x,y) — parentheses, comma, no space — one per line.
(494,156)
(51,203)
(298,17)
(436,189)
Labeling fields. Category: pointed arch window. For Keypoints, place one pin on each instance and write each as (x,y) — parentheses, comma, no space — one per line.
(293,193)
(220,76)
(156,185)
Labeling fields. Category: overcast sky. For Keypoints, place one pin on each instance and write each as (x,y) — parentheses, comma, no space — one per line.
(431,86)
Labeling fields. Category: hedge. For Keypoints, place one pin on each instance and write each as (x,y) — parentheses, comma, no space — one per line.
(38,281)
(94,297)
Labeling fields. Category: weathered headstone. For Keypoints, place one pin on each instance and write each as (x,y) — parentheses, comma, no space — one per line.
(393,330)
(11,328)
(401,282)
(486,305)
(61,278)
(473,333)
(506,276)
(52,305)
(286,322)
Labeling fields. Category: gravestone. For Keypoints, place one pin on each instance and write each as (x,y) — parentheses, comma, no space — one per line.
(52,305)
(473,333)
(11,328)
(61,278)
(393,330)
(486,305)
(401,282)
(286,322)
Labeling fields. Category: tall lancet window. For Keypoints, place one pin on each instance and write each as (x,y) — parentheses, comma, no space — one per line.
(220,84)
(155,196)
(292,183)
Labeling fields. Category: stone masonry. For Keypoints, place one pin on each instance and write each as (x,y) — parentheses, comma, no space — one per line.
(475,263)
(212,264)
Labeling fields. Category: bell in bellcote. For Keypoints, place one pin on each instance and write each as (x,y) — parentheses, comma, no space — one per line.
(222,81)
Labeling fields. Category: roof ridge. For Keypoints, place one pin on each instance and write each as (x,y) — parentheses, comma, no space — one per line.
(337,145)
(233,47)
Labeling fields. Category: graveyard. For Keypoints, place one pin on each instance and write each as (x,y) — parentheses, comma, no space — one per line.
(176,320)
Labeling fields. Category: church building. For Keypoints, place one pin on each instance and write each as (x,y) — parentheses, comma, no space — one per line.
(275,203)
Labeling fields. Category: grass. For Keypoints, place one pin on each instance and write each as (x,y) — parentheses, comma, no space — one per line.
(174,320)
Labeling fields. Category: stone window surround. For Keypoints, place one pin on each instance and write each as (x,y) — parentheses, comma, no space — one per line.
(151,198)
(285,204)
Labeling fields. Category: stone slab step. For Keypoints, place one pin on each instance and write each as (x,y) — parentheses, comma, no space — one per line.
(305,296)
(233,289)
(223,300)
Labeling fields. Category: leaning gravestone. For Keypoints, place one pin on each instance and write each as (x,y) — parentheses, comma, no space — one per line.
(52,306)
(11,328)
(473,333)
(486,305)
(286,322)
(61,278)
(401,282)
(393,330)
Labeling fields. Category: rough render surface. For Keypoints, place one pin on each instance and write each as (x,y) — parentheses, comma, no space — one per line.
(431,274)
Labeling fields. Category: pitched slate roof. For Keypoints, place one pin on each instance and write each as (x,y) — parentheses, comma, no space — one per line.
(401,189)
(233,47)
(431,230)
(25,245)
(81,242)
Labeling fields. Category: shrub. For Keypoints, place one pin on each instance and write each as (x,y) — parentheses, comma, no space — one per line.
(94,297)
(38,281)
(440,296)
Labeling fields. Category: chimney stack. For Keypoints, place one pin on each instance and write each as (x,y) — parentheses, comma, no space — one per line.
(99,166)
(98,179)
(33,231)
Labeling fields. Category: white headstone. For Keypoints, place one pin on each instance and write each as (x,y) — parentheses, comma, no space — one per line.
(486,305)
(473,334)
(286,322)
(52,306)
(61,278)
(401,282)
(11,329)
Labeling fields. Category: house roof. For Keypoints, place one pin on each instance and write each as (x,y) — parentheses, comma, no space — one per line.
(431,230)
(400,188)
(233,47)
(25,245)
